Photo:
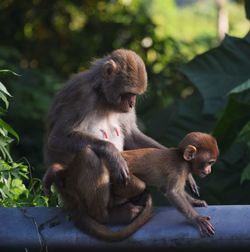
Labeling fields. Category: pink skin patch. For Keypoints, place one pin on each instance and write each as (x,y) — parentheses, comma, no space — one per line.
(104,134)
(116,131)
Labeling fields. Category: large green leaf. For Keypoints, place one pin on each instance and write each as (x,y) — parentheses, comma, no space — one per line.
(219,70)
(242,92)
(3,89)
(4,99)
(7,71)
(235,115)
(9,129)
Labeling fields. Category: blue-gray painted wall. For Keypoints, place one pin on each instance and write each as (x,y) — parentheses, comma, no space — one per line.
(49,229)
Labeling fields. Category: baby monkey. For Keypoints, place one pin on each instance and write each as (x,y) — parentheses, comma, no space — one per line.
(168,170)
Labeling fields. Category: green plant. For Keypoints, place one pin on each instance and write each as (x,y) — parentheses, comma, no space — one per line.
(17,186)
(222,77)
(5,129)
(14,192)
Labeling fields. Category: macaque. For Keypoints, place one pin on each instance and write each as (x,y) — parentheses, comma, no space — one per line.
(168,170)
(91,120)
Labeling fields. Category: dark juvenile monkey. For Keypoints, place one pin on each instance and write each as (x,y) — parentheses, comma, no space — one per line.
(168,170)
(91,120)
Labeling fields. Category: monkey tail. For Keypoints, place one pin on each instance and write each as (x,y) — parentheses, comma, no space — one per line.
(103,232)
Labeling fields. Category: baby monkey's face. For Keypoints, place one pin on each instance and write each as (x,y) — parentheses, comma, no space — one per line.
(202,164)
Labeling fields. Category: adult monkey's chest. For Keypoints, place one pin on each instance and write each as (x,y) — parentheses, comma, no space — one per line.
(106,128)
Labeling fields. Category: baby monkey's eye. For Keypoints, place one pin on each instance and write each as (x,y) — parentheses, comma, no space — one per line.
(211,162)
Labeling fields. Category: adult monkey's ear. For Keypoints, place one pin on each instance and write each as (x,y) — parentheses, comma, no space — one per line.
(109,69)
(189,152)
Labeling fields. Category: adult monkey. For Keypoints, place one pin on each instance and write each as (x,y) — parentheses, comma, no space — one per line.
(91,120)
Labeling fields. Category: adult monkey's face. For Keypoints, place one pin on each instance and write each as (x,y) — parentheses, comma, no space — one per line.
(124,77)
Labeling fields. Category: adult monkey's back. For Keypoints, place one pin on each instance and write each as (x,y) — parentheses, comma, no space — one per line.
(91,119)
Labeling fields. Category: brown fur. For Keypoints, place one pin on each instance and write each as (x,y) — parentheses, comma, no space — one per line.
(91,119)
(168,170)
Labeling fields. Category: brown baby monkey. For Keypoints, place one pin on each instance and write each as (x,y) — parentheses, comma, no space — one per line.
(168,170)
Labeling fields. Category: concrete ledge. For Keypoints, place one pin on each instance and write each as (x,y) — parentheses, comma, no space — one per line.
(48,229)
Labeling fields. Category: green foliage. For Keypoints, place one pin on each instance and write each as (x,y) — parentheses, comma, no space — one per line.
(235,116)
(14,192)
(5,129)
(32,94)
(169,125)
(244,136)
(219,104)
(17,187)
(221,75)
(216,72)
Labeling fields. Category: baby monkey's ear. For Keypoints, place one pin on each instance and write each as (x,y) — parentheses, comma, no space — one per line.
(189,152)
